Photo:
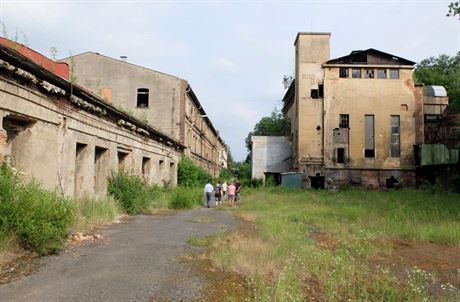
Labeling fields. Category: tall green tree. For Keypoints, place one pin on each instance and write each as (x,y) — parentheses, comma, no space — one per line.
(274,125)
(443,70)
(454,9)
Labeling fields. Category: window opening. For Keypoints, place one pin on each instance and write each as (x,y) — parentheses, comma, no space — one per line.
(369,73)
(344,121)
(100,170)
(122,160)
(369,143)
(381,73)
(394,73)
(142,97)
(80,155)
(145,168)
(321,90)
(314,93)
(340,155)
(161,164)
(395,137)
(343,73)
(356,73)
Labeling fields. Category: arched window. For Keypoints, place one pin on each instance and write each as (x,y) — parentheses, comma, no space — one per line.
(143,97)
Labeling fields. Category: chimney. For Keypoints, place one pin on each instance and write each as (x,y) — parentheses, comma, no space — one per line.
(124,58)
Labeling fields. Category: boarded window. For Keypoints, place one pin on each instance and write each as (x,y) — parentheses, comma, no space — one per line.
(356,73)
(340,155)
(344,121)
(369,73)
(369,143)
(395,137)
(394,73)
(343,73)
(142,97)
(381,73)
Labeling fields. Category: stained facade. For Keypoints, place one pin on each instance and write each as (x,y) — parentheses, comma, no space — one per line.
(164,101)
(354,119)
(70,139)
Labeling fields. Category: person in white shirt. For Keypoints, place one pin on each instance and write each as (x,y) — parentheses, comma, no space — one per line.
(224,189)
(208,188)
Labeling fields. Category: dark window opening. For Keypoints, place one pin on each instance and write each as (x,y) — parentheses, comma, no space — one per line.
(314,93)
(344,121)
(340,155)
(142,97)
(321,90)
(343,73)
(369,153)
(369,73)
(15,125)
(356,73)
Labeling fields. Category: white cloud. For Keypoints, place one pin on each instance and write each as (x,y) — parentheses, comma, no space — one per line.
(223,64)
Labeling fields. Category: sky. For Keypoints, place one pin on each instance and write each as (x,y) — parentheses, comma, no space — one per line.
(233,53)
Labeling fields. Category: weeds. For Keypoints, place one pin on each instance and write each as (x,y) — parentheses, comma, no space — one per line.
(186,198)
(317,244)
(91,213)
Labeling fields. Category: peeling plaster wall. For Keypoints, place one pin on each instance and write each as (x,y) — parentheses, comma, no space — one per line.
(47,149)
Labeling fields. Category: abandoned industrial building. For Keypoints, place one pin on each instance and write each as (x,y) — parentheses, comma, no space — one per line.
(358,118)
(162,100)
(69,138)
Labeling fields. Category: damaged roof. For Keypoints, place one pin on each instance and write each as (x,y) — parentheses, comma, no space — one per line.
(371,56)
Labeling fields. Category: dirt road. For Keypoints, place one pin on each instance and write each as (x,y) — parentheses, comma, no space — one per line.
(135,261)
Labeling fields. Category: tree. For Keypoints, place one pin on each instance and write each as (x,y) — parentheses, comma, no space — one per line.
(274,125)
(443,70)
(454,9)
(287,80)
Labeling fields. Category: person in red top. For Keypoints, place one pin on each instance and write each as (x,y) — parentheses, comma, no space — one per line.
(231,193)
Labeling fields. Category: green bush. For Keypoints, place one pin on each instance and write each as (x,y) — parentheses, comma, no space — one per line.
(186,198)
(131,192)
(189,174)
(39,218)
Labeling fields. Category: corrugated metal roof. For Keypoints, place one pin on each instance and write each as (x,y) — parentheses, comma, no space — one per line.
(435,90)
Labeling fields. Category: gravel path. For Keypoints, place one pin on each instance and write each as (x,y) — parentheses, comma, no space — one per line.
(135,261)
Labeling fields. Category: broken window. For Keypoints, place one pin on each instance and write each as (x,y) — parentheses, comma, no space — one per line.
(145,168)
(394,73)
(369,73)
(369,143)
(343,73)
(142,97)
(395,137)
(321,90)
(314,93)
(356,73)
(344,121)
(340,155)
(381,73)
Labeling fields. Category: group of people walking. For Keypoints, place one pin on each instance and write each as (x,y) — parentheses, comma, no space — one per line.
(230,193)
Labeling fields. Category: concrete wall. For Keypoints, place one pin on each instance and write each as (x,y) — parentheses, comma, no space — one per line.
(315,128)
(270,154)
(70,149)
(171,110)
(118,81)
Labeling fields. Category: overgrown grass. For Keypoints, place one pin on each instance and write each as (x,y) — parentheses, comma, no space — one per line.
(39,219)
(91,213)
(316,244)
(186,198)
